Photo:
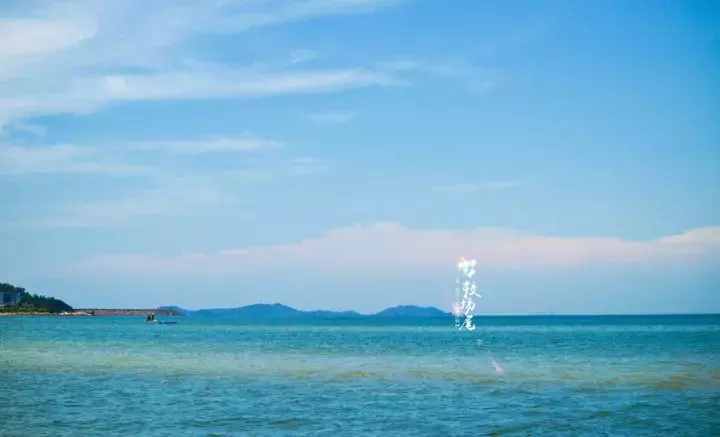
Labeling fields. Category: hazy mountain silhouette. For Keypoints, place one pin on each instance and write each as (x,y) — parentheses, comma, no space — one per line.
(279,311)
(411,311)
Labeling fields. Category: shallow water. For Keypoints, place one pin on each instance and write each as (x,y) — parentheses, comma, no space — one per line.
(619,375)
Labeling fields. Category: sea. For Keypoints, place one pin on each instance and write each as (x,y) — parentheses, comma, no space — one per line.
(513,375)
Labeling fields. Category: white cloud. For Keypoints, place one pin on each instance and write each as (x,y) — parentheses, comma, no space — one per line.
(391,250)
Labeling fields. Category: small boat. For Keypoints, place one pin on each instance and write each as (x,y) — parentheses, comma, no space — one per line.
(151,319)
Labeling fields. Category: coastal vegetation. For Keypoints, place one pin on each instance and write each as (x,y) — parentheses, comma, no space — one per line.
(23,302)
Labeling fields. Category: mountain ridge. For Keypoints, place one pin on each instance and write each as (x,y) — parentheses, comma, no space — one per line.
(280,311)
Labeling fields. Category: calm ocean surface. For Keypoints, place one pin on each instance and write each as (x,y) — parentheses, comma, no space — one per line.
(619,375)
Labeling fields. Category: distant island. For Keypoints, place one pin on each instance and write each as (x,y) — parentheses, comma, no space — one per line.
(280,312)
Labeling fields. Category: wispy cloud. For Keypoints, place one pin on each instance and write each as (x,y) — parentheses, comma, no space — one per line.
(331,117)
(91,93)
(76,58)
(470,188)
(242,15)
(60,159)
(307,166)
(221,82)
(302,56)
(219,144)
(33,37)
(33,129)
(170,197)
(477,79)
(113,158)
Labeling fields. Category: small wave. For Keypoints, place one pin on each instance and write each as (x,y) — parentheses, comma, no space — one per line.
(358,374)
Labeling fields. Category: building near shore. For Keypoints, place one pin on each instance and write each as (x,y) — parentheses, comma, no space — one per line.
(10,295)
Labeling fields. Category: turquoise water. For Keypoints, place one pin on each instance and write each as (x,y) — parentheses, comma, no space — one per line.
(557,375)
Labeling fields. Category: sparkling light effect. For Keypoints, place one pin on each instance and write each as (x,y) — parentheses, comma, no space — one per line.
(498,368)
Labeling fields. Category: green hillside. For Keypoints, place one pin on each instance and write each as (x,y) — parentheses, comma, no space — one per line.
(29,302)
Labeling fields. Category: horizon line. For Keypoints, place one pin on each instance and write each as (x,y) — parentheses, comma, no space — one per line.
(563,314)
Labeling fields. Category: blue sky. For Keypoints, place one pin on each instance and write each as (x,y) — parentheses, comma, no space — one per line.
(345,153)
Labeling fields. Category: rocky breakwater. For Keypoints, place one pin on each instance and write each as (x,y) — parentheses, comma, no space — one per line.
(136,312)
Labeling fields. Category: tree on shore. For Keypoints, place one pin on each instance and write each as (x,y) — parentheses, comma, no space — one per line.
(33,302)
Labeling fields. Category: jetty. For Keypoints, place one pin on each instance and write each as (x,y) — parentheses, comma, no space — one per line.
(135,312)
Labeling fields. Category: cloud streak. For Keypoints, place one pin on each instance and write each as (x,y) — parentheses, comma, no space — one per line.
(113,159)
(78,58)
(226,83)
(32,37)
(170,198)
(196,147)
(60,159)
(88,94)
(331,117)
(389,250)
(476,79)
(469,188)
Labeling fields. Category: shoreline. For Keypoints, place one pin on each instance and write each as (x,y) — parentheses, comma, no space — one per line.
(33,313)
(96,312)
